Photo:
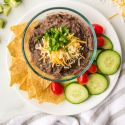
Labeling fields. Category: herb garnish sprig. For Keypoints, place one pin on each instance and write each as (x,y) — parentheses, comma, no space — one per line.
(57,38)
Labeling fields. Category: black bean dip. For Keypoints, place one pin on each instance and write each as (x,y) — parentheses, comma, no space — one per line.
(76,27)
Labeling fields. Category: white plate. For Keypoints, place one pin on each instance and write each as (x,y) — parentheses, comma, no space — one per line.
(94,16)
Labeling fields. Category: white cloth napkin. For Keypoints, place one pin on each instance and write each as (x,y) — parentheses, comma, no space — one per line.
(109,112)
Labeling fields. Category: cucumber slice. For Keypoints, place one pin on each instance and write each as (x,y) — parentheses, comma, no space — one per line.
(108,62)
(6,1)
(97,53)
(108,43)
(97,84)
(2,23)
(76,93)
(6,9)
(1,9)
(98,71)
(15,3)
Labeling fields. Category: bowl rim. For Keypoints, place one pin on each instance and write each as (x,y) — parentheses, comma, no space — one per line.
(94,40)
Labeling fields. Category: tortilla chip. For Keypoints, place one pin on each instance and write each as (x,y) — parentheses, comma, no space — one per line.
(18,29)
(37,81)
(14,47)
(48,96)
(45,95)
(35,84)
(31,91)
(24,85)
(18,70)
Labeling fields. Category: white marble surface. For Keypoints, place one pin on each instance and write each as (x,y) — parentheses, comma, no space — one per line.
(10,102)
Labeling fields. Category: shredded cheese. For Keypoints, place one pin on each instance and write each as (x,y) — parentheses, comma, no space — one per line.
(121,5)
(62,57)
(110,17)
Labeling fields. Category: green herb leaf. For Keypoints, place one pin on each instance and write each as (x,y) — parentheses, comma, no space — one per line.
(38,38)
(57,37)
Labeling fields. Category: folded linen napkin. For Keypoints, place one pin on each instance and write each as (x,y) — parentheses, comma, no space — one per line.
(109,112)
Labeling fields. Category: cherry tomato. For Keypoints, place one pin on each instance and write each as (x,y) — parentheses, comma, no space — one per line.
(100,41)
(98,29)
(57,88)
(92,69)
(83,79)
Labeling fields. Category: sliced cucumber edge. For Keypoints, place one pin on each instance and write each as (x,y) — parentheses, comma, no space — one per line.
(108,82)
(117,68)
(74,102)
(106,37)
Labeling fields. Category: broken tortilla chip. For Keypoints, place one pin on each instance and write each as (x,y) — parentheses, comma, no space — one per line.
(18,71)
(31,91)
(18,29)
(48,96)
(14,47)
(37,81)
(24,85)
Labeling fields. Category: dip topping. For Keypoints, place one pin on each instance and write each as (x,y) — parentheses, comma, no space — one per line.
(60,46)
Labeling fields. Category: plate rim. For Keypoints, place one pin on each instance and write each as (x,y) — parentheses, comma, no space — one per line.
(29,101)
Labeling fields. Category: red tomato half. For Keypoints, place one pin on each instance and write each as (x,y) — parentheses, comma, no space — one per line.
(57,88)
(98,29)
(83,79)
(92,69)
(100,42)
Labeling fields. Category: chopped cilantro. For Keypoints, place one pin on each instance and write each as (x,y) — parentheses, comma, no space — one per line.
(38,38)
(57,37)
